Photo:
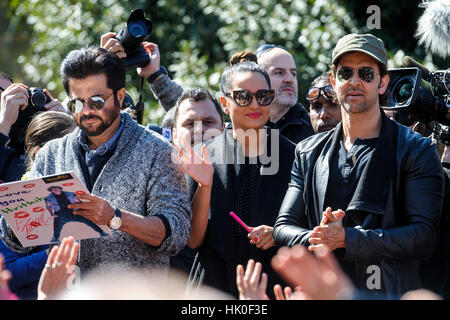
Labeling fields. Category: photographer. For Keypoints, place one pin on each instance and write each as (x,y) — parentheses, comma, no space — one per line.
(164,89)
(15,97)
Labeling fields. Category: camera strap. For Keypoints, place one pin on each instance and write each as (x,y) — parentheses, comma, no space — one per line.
(140,104)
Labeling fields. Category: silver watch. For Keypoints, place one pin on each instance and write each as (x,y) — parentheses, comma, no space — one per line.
(116,221)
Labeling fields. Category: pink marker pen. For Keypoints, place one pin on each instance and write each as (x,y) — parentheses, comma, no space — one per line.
(234,215)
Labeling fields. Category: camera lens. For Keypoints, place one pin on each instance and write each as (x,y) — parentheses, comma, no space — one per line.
(138,29)
(403,91)
(38,99)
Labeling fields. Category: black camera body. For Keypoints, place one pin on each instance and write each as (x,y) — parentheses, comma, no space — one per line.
(418,95)
(38,98)
(138,29)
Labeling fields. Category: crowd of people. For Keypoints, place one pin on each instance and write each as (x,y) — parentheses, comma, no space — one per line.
(340,202)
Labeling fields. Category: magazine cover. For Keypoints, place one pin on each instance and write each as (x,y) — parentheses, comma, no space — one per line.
(36,210)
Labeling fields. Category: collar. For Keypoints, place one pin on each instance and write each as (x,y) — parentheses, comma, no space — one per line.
(373,187)
(105,147)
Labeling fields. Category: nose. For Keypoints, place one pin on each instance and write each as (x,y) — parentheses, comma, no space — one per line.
(289,78)
(354,79)
(324,112)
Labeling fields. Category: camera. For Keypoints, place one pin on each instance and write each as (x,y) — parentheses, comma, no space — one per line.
(36,101)
(419,95)
(129,107)
(138,29)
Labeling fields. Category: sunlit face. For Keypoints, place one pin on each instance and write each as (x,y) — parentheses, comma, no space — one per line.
(324,114)
(95,122)
(354,94)
(197,121)
(253,116)
(280,66)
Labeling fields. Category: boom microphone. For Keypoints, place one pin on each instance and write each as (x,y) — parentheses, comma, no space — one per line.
(433,28)
(410,62)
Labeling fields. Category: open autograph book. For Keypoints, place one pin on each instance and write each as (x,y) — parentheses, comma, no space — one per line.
(36,210)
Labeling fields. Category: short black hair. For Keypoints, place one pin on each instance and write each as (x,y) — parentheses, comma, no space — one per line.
(54,187)
(85,62)
(196,95)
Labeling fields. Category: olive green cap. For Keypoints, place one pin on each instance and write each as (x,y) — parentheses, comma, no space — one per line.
(365,43)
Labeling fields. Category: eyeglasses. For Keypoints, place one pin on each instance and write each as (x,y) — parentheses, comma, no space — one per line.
(243,97)
(366,74)
(315,92)
(266,47)
(95,102)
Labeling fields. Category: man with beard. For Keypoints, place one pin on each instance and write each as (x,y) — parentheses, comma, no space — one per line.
(324,110)
(135,188)
(286,114)
(370,190)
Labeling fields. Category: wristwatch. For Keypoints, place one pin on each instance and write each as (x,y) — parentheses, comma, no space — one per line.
(116,221)
(156,74)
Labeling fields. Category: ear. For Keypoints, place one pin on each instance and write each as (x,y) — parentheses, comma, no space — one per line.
(121,96)
(333,83)
(383,84)
(223,103)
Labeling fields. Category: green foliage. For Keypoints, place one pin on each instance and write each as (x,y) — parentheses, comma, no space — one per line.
(196,38)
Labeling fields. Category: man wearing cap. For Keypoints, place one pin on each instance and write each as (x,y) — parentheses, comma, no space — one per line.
(371,190)
(286,114)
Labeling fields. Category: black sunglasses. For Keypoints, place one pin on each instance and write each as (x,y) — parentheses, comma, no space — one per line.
(95,102)
(243,97)
(267,46)
(315,92)
(366,74)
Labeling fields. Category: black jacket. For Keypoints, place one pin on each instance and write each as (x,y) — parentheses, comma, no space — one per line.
(217,250)
(295,124)
(395,209)
(12,162)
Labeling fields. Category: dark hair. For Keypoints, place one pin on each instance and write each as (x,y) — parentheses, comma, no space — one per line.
(382,98)
(167,121)
(4,75)
(196,95)
(323,77)
(82,63)
(247,66)
(243,56)
(43,127)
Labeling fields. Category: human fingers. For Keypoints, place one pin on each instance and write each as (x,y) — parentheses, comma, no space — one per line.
(287,292)
(67,250)
(205,155)
(55,105)
(105,37)
(240,277)
(74,254)
(339,214)
(278,292)
(255,275)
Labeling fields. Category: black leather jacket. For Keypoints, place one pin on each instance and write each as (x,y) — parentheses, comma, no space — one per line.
(295,124)
(395,209)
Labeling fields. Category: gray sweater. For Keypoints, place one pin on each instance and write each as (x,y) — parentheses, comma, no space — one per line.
(140,177)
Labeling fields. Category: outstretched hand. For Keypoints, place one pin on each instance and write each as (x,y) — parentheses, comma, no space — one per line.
(58,272)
